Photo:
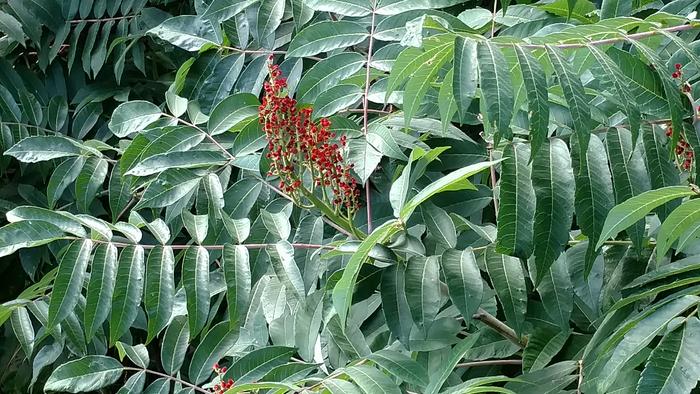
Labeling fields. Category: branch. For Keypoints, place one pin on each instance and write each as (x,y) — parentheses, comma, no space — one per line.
(208,247)
(182,382)
(484,363)
(116,18)
(499,327)
(365,112)
(607,41)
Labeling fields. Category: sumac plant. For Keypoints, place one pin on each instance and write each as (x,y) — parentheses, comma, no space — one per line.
(349,196)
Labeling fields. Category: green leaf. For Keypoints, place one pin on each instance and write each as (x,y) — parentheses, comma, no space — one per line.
(662,170)
(391,7)
(535,81)
(636,208)
(335,99)
(337,386)
(463,280)
(450,182)
(64,175)
(137,354)
(456,354)
(270,13)
(439,225)
(89,373)
(11,27)
(615,8)
(89,182)
(197,226)
(517,205)
(556,291)
(159,386)
(349,340)
(174,345)
(508,280)
(326,36)
(673,365)
(43,148)
(419,83)
(286,269)
(134,384)
(341,7)
(133,116)
(160,289)
(678,222)
(542,346)
(364,157)
(69,280)
(574,94)
(215,344)
(222,10)
(343,291)
(190,159)
(394,302)
(188,32)
(100,288)
(168,188)
(254,365)
(23,329)
(639,336)
(128,291)
(31,107)
(466,73)
(57,112)
(232,111)
(612,76)
(401,366)
(119,192)
(496,87)
(195,280)
(63,220)
(553,182)
(307,322)
(423,289)
(446,101)
(328,73)
(594,194)
(27,234)
(371,380)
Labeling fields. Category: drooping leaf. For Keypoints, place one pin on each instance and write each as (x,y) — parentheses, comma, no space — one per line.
(463,280)
(133,116)
(423,289)
(372,380)
(535,81)
(128,291)
(195,280)
(160,289)
(100,289)
(542,346)
(465,75)
(42,148)
(215,344)
(456,354)
(556,291)
(508,281)
(69,280)
(188,32)
(401,366)
(174,345)
(231,111)
(517,204)
(553,183)
(254,365)
(496,87)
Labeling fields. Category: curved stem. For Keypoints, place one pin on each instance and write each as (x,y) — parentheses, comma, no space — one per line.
(174,379)
(365,112)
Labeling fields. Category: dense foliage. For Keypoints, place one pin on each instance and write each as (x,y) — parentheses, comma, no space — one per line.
(349,196)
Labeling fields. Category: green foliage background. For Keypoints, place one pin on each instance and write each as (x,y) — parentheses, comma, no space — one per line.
(528,225)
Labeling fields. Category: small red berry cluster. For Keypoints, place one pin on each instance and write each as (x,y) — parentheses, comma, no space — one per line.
(222,386)
(300,146)
(684,151)
(678,74)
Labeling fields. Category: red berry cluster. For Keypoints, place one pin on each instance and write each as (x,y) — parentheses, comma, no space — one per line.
(220,388)
(683,150)
(299,145)
(678,74)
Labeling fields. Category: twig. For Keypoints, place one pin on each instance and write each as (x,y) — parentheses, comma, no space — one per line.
(127,207)
(208,247)
(580,376)
(635,37)
(365,111)
(182,382)
(493,181)
(484,363)
(499,327)
(493,18)
(207,135)
(362,111)
(116,18)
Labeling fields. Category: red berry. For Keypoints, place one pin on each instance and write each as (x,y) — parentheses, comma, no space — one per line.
(678,66)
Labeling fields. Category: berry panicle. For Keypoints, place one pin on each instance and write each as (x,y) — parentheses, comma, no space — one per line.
(300,146)
(223,385)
